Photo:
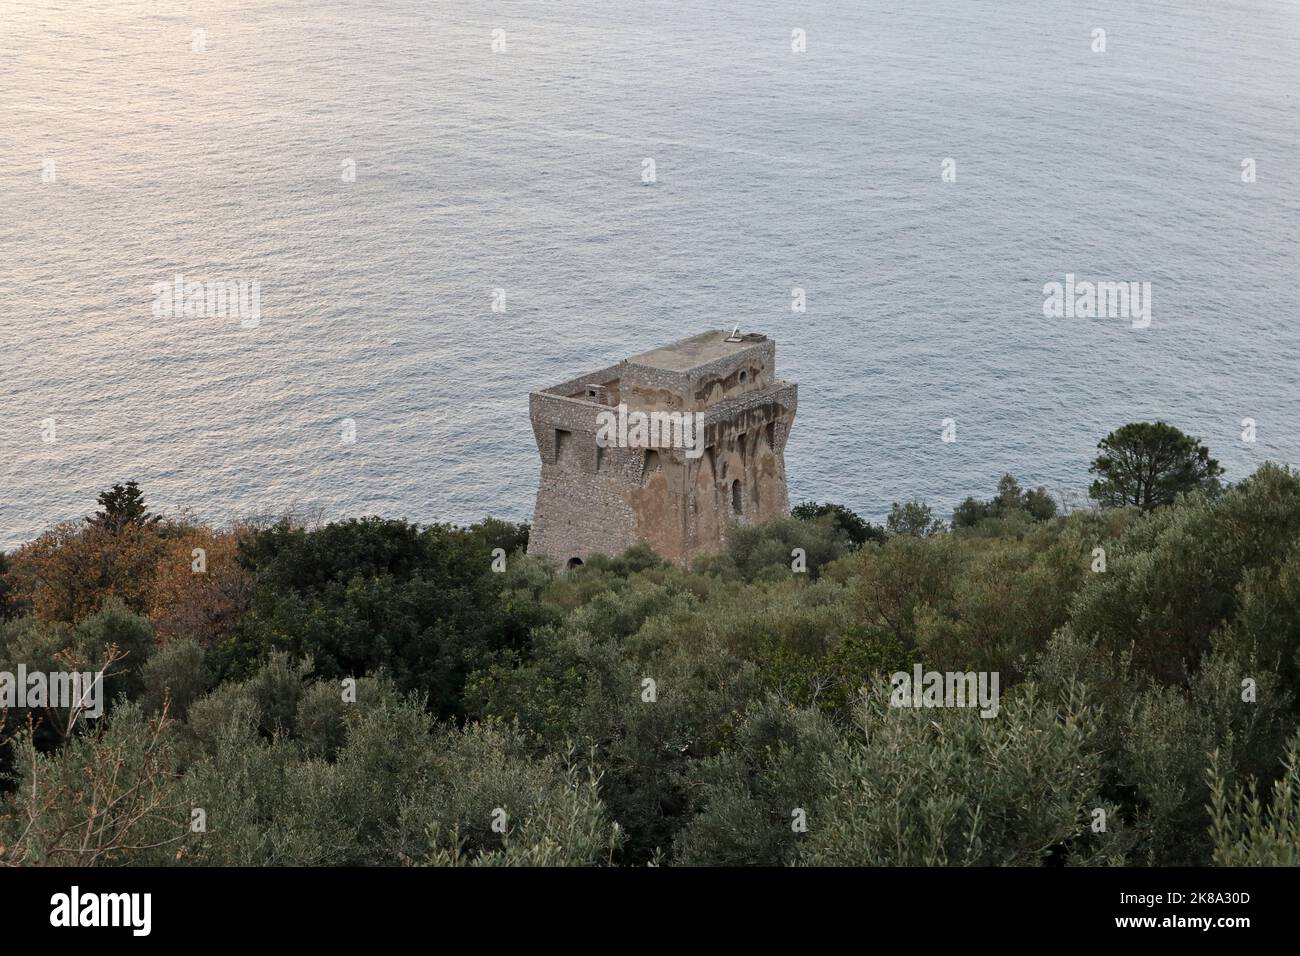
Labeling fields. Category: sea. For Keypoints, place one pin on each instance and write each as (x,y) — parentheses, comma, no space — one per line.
(435,207)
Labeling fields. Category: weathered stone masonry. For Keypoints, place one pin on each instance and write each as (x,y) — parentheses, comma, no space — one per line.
(602,500)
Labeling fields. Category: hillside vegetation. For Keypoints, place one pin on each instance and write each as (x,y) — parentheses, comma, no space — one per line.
(375,692)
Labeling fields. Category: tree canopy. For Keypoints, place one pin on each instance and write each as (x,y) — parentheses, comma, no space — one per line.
(1149,464)
(122,505)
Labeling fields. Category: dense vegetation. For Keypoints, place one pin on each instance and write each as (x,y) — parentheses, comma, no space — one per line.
(376,692)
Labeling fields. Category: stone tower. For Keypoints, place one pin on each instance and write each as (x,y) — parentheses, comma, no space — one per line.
(667,447)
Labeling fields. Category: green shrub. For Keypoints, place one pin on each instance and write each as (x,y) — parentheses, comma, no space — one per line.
(1247,832)
(947,787)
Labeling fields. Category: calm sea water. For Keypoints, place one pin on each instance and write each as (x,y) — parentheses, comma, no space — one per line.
(521,170)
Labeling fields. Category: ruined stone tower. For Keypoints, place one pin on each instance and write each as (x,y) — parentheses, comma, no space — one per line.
(603,490)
